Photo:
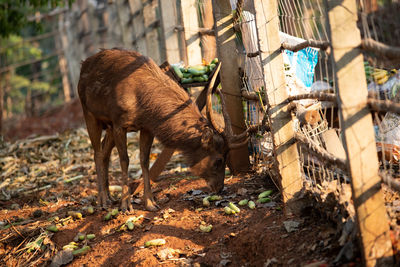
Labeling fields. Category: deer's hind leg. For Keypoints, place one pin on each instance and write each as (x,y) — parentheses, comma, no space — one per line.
(107,145)
(95,128)
(146,140)
(119,135)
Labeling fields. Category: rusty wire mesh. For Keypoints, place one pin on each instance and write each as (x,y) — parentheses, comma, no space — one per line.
(306,71)
(378,23)
(328,183)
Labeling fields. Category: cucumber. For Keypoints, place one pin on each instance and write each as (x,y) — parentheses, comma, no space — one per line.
(187,80)
(155,242)
(205,228)
(264,200)
(187,75)
(197,72)
(212,67)
(52,228)
(206,201)
(233,207)
(90,236)
(114,212)
(252,205)
(81,237)
(205,77)
(198,79)
(199,67)
(178,71)
(243,202)
(214,61)
(214,198)
(130,225)
(108,216)
(265,194)
(228,210)
(81,251)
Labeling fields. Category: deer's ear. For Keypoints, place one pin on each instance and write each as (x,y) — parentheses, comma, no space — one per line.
(207,138)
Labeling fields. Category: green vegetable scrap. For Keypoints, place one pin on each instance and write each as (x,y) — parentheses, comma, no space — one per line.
(243,202)
(233,207)
(252,205)
(155,242)
(196,73)
(81,251)
(205,228)
(264,200)
(265,194)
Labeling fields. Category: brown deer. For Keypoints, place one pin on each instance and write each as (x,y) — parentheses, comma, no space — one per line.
(122,91)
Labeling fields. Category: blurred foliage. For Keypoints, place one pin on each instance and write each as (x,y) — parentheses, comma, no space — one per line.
(22,81)
(14,50)
(15,14)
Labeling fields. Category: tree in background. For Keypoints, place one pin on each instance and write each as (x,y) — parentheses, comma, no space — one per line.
(17,16)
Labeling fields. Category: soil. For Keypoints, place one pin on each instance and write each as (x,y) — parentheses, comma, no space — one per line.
(249,238)
(55,120)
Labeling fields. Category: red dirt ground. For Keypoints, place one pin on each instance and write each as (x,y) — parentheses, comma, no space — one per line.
(56,120)
(249,238)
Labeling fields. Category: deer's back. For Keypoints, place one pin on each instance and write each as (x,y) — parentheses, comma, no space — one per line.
(125,88)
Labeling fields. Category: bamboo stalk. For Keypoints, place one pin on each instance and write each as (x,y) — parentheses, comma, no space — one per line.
(320,152)
(321,96)
(381,49)
(323,45)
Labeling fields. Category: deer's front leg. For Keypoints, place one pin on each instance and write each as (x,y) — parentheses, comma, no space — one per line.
(119,135)
(146,140)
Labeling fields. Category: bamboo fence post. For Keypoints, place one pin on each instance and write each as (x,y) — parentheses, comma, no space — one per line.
(230,80)
(208,41)
(285,148)
(139,43)
(151,33)
(358,132)
(169,20)
(191,26)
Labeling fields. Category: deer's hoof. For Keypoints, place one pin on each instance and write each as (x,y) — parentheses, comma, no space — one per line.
(126,206)
(151,205)
(103,201)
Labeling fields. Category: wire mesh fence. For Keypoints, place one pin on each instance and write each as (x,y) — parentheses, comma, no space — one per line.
(311,79)
(383,79)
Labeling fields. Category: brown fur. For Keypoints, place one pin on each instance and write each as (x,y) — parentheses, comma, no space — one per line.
(124,91)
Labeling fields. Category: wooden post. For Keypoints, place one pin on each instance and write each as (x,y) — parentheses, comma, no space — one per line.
(169,20)
(358,132)
(285,148)
(152,38)
(123,17)
(208,44)
(191,26)
(1,107)
(230,80)
(139,43)
(62,62)
(88,48)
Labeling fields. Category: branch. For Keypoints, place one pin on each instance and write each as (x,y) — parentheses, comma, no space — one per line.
(323,45)
(380,49)
(321,96)
(384,105)
(201,31)
(320,152)
(389,181)
(252,96)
